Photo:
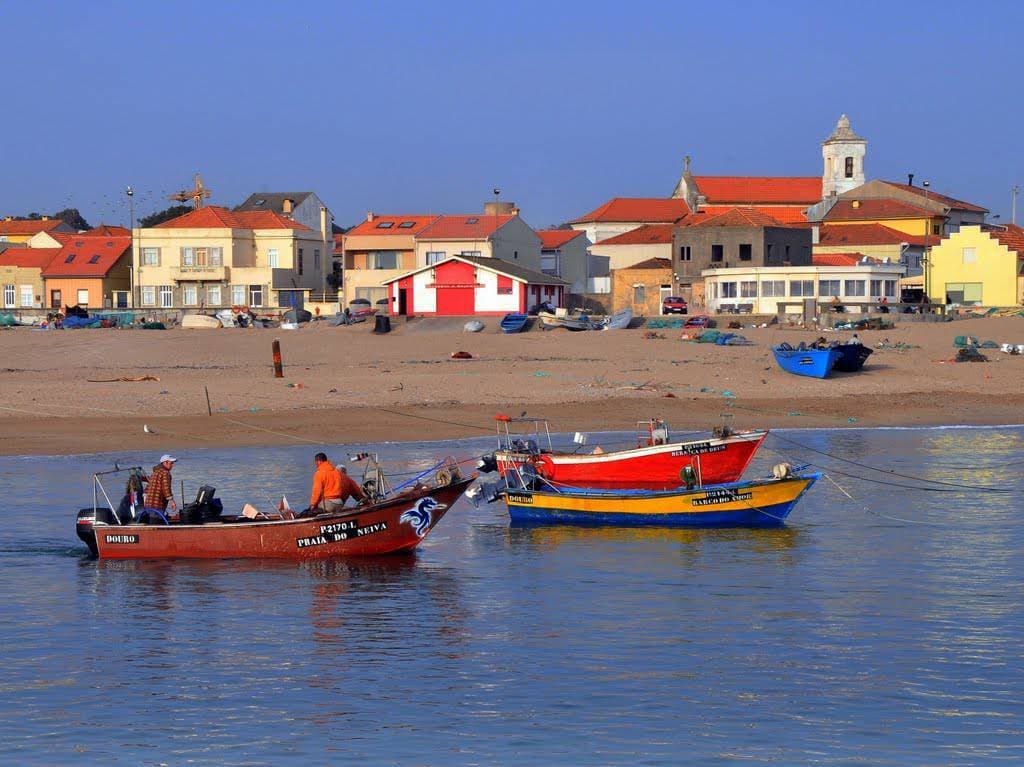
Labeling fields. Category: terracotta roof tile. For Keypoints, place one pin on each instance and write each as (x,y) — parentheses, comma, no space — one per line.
(785,214)
(860,210)
(89,257)
(28,258)
(555,238)
(949,202)
(393,224)
(29,227)
(106,230)
(649,234)
(753,190)
(837,259)
(650,263)
(650,210)
(866,234)
(469,227)
(1010,235)
(742,217)
(216,217)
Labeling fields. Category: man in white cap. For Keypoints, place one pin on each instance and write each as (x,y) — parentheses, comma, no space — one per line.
(160,490)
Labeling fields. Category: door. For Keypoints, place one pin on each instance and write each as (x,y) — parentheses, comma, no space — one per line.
(55,299)
(402,308)
(455,301)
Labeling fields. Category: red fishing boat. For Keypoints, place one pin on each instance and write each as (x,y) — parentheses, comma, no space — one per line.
(654,464)
(392,522)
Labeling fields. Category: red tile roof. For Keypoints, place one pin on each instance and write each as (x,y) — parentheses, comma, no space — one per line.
(867,234)
(949,202)
(651,263)
(28,258)
(785,214)
(836,259)
(555,238)
(90,257)
(106,230)
(216,217)
(753,190)
(649,234)
(414,224)
(28,227)
(742,217)
(650,210)
(1010,235)
(478,226)
(847,210)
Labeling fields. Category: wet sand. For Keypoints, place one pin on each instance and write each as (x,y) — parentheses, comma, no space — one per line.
(349,385)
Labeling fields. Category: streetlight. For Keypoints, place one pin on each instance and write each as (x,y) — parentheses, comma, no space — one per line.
(494,242)
(1014,191)
(130,192)
(927,250)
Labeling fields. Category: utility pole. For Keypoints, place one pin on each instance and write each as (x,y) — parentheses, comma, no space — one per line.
(130,192)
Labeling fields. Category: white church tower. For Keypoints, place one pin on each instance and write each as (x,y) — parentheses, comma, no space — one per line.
(843,153)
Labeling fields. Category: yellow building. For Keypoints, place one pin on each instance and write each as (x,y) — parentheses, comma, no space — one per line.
(978,265)
(16,231)
(213,257)
(21,277)
(915,220)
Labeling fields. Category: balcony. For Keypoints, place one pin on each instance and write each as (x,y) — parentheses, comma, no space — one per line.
(200,273)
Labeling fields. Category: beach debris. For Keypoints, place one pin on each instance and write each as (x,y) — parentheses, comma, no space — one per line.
(460,355)
(728,394)
(670,395)
(147,430)
(332,390)
(296,386)
(400,387)
(1012,349)
(127,379)
(969,354)
(651,335)
(542,374)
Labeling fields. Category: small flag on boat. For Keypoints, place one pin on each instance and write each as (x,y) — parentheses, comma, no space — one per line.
(284,506)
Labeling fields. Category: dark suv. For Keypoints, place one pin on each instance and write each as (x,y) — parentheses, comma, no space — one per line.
(674,305)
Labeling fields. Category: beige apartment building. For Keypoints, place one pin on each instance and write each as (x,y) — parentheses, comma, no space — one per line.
(212,258)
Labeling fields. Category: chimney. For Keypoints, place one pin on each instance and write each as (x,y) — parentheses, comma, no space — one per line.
(46,218)
(287,206)
(910,179)
(815,234)
(514,212)
(370,216)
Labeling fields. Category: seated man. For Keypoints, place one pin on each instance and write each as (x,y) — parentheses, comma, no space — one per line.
(837,307)
(331,486)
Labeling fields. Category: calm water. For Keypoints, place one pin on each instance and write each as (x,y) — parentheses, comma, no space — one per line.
(849,637)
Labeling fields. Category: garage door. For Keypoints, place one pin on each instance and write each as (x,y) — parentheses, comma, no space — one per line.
(455,301)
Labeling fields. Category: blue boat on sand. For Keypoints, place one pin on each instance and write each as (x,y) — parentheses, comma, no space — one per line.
(513,323)
(813,363)
(852,357)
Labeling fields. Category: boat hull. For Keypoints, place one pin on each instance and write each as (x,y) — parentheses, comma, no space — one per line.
(811,363)
(551,321)
(657,467)
(852,357)
(764,503)
(396,525)
(513,323)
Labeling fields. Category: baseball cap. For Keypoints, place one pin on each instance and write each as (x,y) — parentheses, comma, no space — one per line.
(166,457)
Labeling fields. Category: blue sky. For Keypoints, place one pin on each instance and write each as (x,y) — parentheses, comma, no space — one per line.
(426,107)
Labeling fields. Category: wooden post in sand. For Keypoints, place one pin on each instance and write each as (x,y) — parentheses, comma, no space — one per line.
(278,367)
(209,409)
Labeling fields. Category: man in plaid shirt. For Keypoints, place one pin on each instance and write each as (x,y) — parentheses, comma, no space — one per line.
(160,491)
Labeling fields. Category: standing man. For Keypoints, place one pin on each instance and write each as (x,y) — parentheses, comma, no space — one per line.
(160,490)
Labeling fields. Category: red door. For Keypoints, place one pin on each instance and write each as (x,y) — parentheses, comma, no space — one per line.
(455,301)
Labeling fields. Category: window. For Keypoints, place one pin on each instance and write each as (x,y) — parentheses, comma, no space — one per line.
(639,294)
(216,256)
(121,299)
(773,288)
(963,292)
(316,259)
(83,296)
(786,257)
(801,288)
(272,258)
(151,256)
(890,288)
(684,253)
(853,288)
(717,254)
(238,295)
(27,295)
(166,296)
(748,289)
(472,220)
(728,289)
(746,252)
(849,167)
(94,259)
(936,228)
(407,225)
(828,287)
(383,259)
(255,295)
(504,285)
(69,259)
(549,264)
(148,295)
(385,224)
(477,253)
(970,255)
(189,295)
(435,257)
(298,262)
(9,296)
(213,295)
(188,256)
(876,288)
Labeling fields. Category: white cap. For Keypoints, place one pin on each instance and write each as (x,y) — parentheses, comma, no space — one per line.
(166,457)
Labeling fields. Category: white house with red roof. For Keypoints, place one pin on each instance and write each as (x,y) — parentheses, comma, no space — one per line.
(623,214)
(463,285)
(641,244)
(212,257)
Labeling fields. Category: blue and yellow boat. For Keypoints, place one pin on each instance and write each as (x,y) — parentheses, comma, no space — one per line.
(758,503)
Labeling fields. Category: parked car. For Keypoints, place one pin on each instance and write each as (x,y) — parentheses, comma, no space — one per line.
(674,305)
(698,321)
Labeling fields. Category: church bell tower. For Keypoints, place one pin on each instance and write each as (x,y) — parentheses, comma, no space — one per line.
(843,153)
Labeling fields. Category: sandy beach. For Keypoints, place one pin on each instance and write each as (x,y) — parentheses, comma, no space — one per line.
(349,385)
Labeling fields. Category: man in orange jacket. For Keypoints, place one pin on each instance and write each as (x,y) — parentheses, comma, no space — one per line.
(331,487)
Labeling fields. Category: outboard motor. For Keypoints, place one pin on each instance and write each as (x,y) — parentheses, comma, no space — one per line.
(205,508)
(85,526)
(487,463)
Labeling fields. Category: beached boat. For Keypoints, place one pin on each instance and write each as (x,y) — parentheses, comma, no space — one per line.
(513,323)
(297,316)
(655,463)
(852,357)
(394,523)
(562,318)
(473,326)
(619,320)
(758,503)
(200,321)
(813,363)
